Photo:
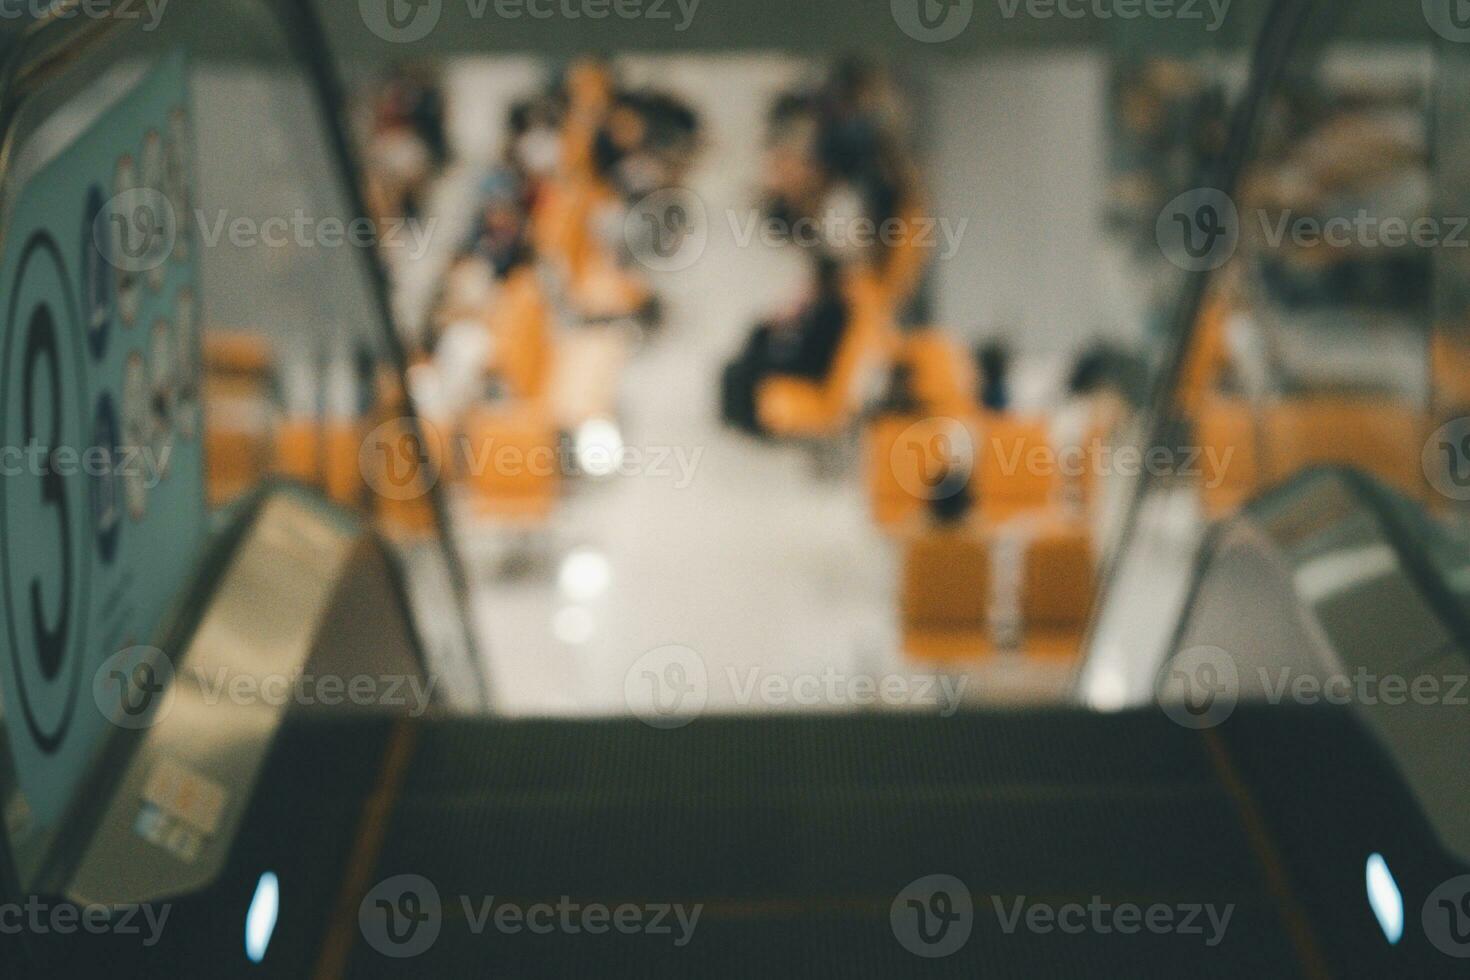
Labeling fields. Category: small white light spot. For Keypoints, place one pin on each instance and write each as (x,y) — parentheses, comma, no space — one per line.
(584,575)
(1385,899)
(260,921)
(599,447)
(1108,692)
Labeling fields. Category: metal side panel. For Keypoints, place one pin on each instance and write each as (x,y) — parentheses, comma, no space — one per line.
(168,828)
(1320,594)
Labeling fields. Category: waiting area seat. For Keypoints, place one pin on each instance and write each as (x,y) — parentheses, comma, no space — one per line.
(522,352)
(976,589)
(1259,447)
(801,408)
(942,372)
(509,462)
(238,371)
(1006,464)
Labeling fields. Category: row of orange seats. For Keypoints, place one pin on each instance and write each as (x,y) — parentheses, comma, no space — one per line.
(247,438)
(556,330)
(1253,444)
(1013,572)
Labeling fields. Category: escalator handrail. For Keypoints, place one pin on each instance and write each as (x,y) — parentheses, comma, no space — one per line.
(1271,53)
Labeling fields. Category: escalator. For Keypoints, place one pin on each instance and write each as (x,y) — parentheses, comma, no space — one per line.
(1234,823)
(1052,843)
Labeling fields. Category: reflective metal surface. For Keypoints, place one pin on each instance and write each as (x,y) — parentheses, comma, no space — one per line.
(1324,330)
(173,815)
(1314,596)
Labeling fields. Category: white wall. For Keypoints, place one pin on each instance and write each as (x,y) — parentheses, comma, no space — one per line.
(480,92)
(1017,146)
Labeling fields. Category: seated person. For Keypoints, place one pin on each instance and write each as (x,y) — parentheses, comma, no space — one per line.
(409,144)
(951,510)
(802,345)
(805,345)
(645,143)
(533,146)
(500,236)
(1107,382)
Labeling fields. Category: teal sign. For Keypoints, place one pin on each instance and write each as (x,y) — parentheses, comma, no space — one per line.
(102,504)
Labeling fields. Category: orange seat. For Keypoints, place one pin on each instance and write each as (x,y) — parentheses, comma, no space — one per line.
(237,353)
(298,450)
(1226,430)
(1208,356)
(951,589)
(889,502)
(904,263)
(559,226)
(803,408)
(1060,579)
(238,410)
(509,460)
(237,458)
(1018,469)
(907,457)
(401,519)
(946,579)
(520,323)
(1450,356)
(910,459)
(942,371)
(1010,464)
(402,464)
(1380,436)
(562,224)
(604,290)
(342,476)
(1259,447)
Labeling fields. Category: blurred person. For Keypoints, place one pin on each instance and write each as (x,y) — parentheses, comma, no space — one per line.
(422,103)
(618,146)
(858,143)
(500,237)
(993,361)
(792,177)
(834,161)
(533,146)
(899,396)
(409,144)
(1107,382)
(802,343)
(951,511)
(646,143)
(835,156)
(1169,121)
(674,132)
(586,91)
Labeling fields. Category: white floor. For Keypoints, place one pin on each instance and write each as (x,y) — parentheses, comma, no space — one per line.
(735,549)
(766,572)
(732,548)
